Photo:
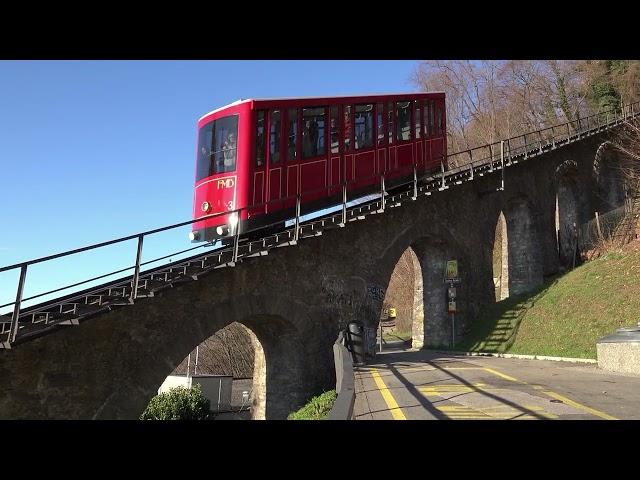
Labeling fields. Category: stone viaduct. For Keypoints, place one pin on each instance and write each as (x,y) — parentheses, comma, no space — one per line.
(296,299)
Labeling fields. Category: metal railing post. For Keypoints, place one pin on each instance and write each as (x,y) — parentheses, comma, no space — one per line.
(502,165)
(136,272)
(344,203)
(540,140)
(415,182)
(382,192)
(509,150)
(553,137)
(491,158)
(297,230)
(579,125)
(568,133)
(236,240)
(13,332)
(526,148)
(442,170)
(471,168)
(470,156)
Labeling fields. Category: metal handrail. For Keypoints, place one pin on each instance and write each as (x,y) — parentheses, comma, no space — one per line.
(625,113)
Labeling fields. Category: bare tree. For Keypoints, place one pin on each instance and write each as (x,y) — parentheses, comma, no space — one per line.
(227,352)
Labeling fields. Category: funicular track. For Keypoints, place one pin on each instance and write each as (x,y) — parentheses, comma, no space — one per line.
(31,322)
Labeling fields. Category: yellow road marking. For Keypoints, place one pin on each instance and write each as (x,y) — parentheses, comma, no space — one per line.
(579,406)
(502,375)
(388,372)
(388,398)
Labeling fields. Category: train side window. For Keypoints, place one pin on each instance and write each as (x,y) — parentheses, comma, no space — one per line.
(347,128)
(380,123)
(292,135)
(313,134)
(274,137)
(260,138)
(335,129)
(364,126)
(425,117)
(432,118)
(390,111)
(416,117)
(439,120)
(403,122)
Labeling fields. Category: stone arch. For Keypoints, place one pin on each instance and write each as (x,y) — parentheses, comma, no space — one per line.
(567,213)
(404,293)
(279,385)
(501,259)
(610,188)
(278,381)
(432,326)
(525,259)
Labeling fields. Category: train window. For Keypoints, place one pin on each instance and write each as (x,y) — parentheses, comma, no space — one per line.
(293,134)
(439,120)
(432,118)
(347,128)
(416,117)
(403,122)
(425,117)
(380,111)
(274,137)
(217,147)
(390,115)
(260,138)
(313,142)
(335,129)
(364,126)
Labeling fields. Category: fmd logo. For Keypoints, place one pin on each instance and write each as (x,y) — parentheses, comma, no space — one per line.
(226,183)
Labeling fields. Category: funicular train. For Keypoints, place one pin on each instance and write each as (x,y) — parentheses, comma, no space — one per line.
(258,155)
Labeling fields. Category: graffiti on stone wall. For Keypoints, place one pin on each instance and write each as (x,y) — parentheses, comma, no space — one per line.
(353,299)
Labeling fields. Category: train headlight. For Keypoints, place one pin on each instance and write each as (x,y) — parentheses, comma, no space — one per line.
(193,236)
(206,206)
(219,231)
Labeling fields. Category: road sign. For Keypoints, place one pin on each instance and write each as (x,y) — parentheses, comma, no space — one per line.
(451,272)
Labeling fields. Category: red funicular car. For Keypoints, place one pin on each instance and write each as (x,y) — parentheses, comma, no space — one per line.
(256,156)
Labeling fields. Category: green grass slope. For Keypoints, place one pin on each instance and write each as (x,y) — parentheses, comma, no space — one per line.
(567,315)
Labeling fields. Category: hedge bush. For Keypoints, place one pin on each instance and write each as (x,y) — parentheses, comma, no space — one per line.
(179,403)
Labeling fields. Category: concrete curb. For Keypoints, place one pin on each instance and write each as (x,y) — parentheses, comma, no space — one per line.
(525,357)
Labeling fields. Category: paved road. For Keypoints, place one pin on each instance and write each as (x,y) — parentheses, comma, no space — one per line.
(423,385)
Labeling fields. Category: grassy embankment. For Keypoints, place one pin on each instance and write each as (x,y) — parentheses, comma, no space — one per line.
(567,315)
(317,408)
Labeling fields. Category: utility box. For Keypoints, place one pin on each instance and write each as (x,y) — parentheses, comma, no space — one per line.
(215,388)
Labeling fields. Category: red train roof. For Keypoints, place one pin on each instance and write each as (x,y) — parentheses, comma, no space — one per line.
(295,99)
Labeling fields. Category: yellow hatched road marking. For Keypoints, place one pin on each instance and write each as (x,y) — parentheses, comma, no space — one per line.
(388,398)
(579,406)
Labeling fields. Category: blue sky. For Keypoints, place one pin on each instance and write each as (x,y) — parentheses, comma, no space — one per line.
(95,150)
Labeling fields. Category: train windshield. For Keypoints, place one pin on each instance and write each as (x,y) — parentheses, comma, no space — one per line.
(217,147)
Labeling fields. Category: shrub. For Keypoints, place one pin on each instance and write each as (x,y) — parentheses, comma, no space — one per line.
(317,408)
(178,404)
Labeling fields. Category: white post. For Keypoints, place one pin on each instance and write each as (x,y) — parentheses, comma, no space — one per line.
(195,370)
(188,368)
